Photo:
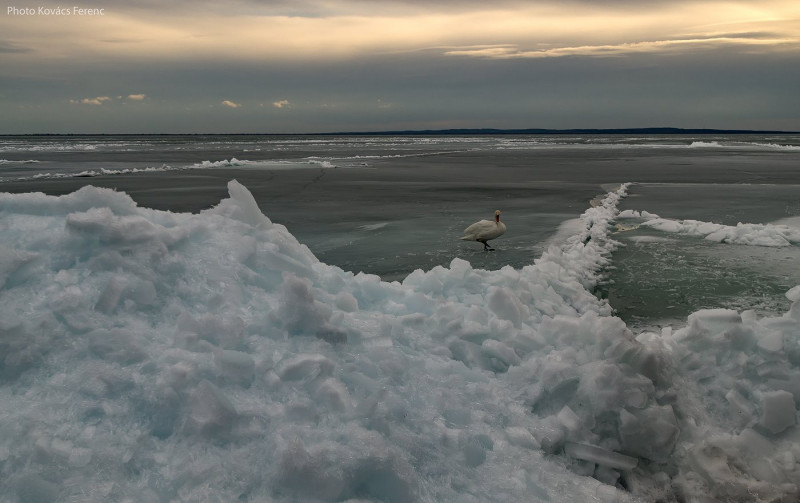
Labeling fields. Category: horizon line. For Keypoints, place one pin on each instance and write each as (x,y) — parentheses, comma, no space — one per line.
(451,131)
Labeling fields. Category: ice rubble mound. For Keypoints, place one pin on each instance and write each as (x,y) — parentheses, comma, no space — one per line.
(775,235)
(154,356)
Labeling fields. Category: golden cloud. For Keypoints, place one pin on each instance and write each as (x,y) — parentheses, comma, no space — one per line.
(609,50)
(94,101)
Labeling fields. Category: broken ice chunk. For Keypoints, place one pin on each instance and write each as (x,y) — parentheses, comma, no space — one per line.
(740,405)
(650,433)
(521,437)
(606,475)
(755,444)
(569,419)
(550,434)
(235,366)
(118,344)
(600,456)
(793,294)
(334,394)
(777,411)
(771,342)
(33,488)
(475,449)
(503,355)
(306,367)
(210,410)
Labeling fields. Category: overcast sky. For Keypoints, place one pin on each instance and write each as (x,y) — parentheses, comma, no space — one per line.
(291,66)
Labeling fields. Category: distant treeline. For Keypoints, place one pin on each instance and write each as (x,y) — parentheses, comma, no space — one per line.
(632,131)
(452,132)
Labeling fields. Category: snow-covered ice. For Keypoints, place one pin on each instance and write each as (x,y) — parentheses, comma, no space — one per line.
(157,356)
(307,163)
(742,233)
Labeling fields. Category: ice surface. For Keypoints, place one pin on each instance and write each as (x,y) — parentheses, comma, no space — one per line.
(156,356)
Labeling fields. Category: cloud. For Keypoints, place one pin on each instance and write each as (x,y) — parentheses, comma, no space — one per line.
(92,101)
(322,30)
(347,55)
(99,100)
(9,48)
(742,40)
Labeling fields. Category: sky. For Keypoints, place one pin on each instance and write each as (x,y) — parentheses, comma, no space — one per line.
(311,66)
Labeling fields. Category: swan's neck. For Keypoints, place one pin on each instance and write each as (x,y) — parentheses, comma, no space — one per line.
(497,218)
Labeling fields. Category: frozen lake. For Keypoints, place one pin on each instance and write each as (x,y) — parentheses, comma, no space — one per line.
(390,205)
(185,337)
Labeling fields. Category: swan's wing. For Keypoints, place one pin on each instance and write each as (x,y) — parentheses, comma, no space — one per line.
(478,229)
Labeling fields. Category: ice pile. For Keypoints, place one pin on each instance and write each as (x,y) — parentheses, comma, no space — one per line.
(154,356)
(736,381)
(742,145)
(742,233)
(309,162)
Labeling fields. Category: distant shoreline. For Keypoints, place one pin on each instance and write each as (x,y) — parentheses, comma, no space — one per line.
(487,131)
(452,132)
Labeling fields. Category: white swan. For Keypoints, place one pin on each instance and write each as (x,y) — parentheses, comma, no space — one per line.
(485,230)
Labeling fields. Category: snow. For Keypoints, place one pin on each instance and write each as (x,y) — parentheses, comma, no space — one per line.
(157,356)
